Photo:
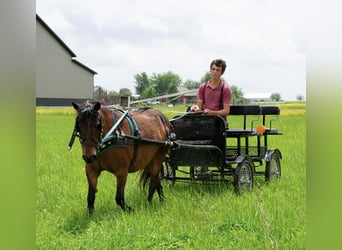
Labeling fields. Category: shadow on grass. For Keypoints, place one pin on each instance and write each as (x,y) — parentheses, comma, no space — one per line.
(208,187)
(77,223)
(80,221)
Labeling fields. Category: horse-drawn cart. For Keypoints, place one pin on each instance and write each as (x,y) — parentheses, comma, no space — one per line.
(200,147)
(209,151)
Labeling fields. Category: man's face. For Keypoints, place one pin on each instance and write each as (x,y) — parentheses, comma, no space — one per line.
(215,71)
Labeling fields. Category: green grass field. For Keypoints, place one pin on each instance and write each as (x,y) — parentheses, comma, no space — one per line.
(193,216)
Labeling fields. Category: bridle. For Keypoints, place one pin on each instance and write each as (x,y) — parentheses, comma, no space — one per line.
(89,113)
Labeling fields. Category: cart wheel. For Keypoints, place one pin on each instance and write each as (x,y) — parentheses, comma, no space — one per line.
(243,176)
(273,169)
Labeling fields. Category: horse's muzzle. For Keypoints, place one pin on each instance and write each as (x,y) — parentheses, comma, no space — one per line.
(89,159)
(89,153)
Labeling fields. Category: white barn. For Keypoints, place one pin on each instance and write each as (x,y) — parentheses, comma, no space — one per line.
(60,78)
(257,98)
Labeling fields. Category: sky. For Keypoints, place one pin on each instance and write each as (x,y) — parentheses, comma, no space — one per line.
(262,41)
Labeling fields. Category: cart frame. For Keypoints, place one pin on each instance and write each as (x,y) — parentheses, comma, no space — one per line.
(209,151)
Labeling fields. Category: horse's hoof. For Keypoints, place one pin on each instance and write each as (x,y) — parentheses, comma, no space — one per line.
(91,211)
(162,198)
(129,209)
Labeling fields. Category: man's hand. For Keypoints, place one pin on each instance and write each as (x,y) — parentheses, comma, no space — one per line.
(195,108)
(206,111)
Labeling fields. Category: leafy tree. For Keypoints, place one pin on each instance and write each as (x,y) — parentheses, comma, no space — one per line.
(206,77)
(237,94)
(113,93)
(100,94)
(275,96)
(142,82)
(148,92)
(166,83)
(190,84)
(113,97)
(125,92)
(300,98)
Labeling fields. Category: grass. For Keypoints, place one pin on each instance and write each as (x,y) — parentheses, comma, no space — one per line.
(192,217)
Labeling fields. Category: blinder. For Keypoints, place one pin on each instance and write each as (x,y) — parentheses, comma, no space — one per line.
(89,113)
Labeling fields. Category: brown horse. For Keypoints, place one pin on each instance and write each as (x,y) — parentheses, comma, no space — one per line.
(134,140)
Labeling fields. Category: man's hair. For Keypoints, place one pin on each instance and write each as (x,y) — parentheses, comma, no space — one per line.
(219,63)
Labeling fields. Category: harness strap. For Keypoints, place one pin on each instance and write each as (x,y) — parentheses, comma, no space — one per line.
(134,132)
(116,124)
(72,139)
(119,139)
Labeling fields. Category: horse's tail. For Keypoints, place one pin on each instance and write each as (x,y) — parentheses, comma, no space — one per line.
(145,176)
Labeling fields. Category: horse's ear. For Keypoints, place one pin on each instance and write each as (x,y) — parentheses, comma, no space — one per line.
(76,106)
(97,106)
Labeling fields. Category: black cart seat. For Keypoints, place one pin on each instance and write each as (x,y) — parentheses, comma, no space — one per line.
(273,111)
(203,140)
(244,111)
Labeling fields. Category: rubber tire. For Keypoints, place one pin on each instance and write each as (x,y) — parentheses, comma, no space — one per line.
(273,168)
(243,176)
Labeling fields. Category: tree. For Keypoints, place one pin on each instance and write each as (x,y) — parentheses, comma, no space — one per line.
(166,83)
(100,94)
(206,77)
(148,92)
(125,92)
(275,96)
(300,98)
(142,82)
(190,84)
(113,97)
(237,94)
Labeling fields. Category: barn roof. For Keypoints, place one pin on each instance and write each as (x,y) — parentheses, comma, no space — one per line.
(83,66)
(40,20)
(61,42)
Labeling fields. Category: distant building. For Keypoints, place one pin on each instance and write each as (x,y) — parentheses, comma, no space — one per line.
(189,96)
(60,78)
(250,98)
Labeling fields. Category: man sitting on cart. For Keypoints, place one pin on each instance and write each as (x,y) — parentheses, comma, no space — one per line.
(214,96)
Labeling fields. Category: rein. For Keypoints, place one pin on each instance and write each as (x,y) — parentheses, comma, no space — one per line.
(145,140)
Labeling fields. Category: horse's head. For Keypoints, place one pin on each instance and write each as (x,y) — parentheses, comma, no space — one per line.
(89,129)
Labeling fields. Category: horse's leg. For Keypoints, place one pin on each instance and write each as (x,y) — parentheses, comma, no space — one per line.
(92,177)
(120,192)
(160,190)
(155,184)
